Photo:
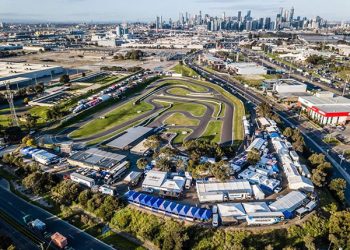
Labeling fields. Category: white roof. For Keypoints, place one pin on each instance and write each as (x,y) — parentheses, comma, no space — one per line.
(300,182)
(174,184)
(228,186)
(131,135)
(254,207)
(258,193)
(154,178)
(231,209)
(132,175)
(257,144)
(289,202)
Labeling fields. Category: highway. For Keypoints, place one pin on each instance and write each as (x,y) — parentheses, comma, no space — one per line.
(17,208)
(312,140)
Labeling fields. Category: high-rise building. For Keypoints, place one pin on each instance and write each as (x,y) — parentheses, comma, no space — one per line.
(239,16)
(291,15)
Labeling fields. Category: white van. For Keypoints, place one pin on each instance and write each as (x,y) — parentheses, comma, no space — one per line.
(215,222)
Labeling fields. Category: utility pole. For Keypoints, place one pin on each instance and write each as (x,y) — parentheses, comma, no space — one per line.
(9,97)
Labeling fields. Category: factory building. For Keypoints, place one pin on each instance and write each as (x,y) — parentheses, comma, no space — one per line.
(246,69)
(214,191)
(95,159)
(12,70)
(326,108)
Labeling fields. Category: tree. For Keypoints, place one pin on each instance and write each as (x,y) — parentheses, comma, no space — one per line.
(315,59)
(142,163)
(65,192)
(339,229)
(264,109)
(288,132)
(338,185)
(253,156)
(84,197)
(317,159)
(298,145)
(107,209)
(168,152)
(65,79)
(320,174)
(28,141)
(39,182)
(30,121)
(152,142)
(26,100)
(164,164)
(173,236)
(221,171)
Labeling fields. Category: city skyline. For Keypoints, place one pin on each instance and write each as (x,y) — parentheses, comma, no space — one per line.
(119,11)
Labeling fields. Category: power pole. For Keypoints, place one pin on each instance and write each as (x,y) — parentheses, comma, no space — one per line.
(9,97)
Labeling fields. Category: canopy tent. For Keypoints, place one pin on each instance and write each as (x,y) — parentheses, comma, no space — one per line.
(170,207)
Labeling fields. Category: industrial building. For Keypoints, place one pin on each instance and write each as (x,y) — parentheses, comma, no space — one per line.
(246,69)
(140,148)
(289,203)
(96,159)
(289,86)
(11,70)
(326,108)
(130,136)
(82,179)
(214,191)
(159,181)
(40,155)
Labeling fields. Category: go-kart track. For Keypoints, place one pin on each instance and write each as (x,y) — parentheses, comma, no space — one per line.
(190,108)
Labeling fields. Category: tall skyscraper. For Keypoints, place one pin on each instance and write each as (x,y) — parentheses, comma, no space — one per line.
(239,16)
(291,15)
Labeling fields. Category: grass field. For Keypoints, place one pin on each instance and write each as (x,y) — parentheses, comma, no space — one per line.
(213,131)
(184,70)
(119,242)
(181,120)
(192,87)
(194,108)
(179,139)
(179,91)
(114,118)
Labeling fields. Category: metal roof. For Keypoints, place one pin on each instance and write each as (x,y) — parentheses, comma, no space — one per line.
(131,135)
(232,186)
(97,157)
(289,202)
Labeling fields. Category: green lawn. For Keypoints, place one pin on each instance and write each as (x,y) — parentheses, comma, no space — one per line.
(179,91)
(194,108)
(119,242)
(181,120)
(213,131)
(217,109)
(114,118)
(39,112)
(184,70)
(179,139)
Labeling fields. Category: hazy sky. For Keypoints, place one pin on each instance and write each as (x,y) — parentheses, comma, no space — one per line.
(146,10)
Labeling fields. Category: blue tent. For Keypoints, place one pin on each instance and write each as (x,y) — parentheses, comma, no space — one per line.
(191,212)
(164,205)
(177,209)
(139,198)
(184,210)
(145,199)
(206,215)
(170,208)
(157,203)
(133,196)
(288,215)
(129,194)
(274,135)
(150,202)
(199,213)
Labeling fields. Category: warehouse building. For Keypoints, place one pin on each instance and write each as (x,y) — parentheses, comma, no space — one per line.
(96,159)
(246,69)
(82,179)
(326,108)
(130,136)
(288,203)
(10,70)
(159,181)
(214,191)
(289,86)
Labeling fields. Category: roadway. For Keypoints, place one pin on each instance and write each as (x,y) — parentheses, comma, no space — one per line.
(312,139)
(17,208)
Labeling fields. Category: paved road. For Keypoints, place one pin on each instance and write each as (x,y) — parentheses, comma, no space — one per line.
(17,208)
(20,241)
